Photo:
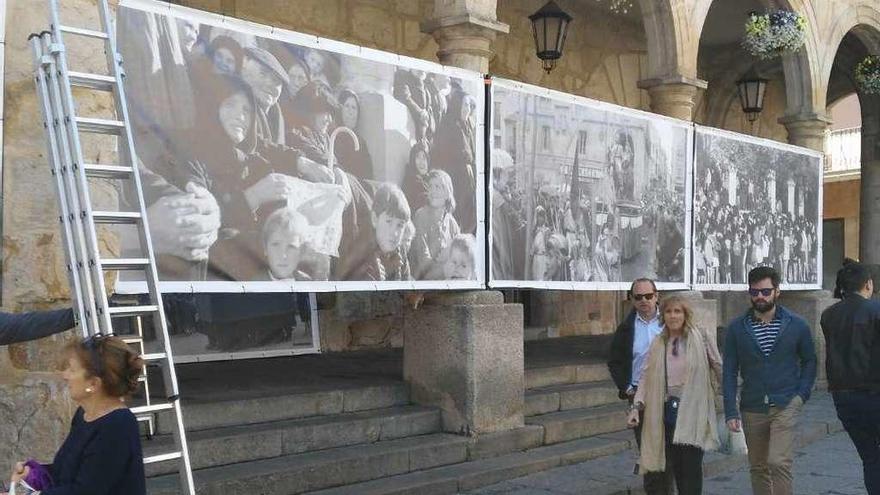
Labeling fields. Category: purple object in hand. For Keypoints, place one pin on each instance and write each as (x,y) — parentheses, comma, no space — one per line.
(38,477)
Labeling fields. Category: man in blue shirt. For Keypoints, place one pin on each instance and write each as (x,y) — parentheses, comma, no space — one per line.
(772,349)
(22,327)
(629,351)
(852,337)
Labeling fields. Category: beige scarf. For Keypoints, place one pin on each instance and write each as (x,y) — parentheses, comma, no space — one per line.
(696,424)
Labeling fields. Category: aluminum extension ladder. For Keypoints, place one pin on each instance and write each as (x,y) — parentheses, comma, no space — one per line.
(86,266)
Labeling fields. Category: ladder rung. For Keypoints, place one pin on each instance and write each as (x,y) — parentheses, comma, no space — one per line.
(161,458)
(142,379)
(122,311)
(151,409)
(132,340)
(107,171)
(156,356)
(94,81)
(125,263)
(116,216)
(84,32)
(100,126)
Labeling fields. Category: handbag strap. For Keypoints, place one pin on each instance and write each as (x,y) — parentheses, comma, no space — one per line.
(665,371)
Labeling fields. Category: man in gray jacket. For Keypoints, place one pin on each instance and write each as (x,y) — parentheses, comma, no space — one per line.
(22,327)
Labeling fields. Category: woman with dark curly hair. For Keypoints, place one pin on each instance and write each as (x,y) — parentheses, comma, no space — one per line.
(102,453)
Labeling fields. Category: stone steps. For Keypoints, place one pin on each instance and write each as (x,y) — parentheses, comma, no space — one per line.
(239,444)
(299,473)
(545,376)
(207,414)
(471,475)
(564,426)
(555,398)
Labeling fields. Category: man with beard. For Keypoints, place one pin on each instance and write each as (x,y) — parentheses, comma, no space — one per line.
(772,349)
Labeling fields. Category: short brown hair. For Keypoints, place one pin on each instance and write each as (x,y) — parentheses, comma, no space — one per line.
(674,300)
(111,360)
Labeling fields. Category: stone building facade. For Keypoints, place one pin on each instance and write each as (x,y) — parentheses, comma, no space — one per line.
(679,58)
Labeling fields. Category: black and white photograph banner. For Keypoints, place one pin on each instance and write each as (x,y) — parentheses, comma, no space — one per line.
(276,161)
(756,202)
(585,195)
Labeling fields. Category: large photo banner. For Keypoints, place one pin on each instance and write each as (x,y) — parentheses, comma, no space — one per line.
(274,161)
(585,195)
(756,202)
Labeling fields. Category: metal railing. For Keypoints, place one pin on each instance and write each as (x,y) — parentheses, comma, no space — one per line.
(844,150)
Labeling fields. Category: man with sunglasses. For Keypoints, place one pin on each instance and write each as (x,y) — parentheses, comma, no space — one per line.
(629,352)
(22,327)
(772,349)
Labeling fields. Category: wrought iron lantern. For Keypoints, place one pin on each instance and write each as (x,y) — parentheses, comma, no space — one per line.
(752,88)
(549,26)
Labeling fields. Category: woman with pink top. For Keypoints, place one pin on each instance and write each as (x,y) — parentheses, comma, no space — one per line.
(675,400)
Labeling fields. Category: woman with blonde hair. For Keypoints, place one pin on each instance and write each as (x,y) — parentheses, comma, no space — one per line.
(675,400)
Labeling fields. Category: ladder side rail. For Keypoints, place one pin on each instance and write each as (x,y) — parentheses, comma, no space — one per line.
(159,320)
(50,125)
(69,112)
(90,325)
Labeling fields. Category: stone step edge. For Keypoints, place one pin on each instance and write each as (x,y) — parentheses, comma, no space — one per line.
(474,474)
(422,421)
(399,393)
(570,387)
(562,374)
(288,424)
(313,460)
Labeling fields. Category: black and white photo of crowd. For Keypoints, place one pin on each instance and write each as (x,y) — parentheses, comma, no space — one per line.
(754,204)
(263,160)
(583,194)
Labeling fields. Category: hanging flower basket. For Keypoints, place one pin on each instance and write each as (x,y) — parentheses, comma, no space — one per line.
(774,34)
(867,75)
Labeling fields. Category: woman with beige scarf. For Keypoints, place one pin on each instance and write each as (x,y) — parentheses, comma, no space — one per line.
(677,396)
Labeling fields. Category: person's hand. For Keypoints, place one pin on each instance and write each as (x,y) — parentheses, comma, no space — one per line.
(314,171)
(344,191)
(19,472)
(272,187)
(185,225)
(632,419)
(734,425)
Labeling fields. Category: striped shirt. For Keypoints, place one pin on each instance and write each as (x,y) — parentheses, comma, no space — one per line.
(766,333)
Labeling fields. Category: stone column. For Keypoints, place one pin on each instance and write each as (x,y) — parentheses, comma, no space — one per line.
(464,31)
(463,353)
(673,96)
(807,131)
(869,203)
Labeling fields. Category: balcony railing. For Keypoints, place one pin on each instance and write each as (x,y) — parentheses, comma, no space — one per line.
(844,150)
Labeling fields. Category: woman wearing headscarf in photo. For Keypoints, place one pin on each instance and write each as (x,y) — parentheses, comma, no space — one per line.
(315,108)
(357,162)
(415,178)
(454,150)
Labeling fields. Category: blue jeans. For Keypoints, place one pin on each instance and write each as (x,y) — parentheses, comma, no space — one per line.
(860,414)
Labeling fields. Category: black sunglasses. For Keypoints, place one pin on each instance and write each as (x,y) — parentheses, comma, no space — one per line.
(647,297)
(92,343)
(763,292)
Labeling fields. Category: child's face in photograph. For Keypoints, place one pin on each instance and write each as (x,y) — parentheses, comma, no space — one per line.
(283,253)
(235,116)
(459,266)
(389,231)
(437,195)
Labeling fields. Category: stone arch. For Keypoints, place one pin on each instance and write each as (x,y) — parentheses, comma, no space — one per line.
(670,39)
(863,21)
(799,68)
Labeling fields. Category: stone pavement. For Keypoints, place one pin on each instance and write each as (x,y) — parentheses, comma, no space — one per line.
(825,463)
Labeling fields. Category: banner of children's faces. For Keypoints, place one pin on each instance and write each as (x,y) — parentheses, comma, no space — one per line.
(585,195)
(276,161)
(756,202)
